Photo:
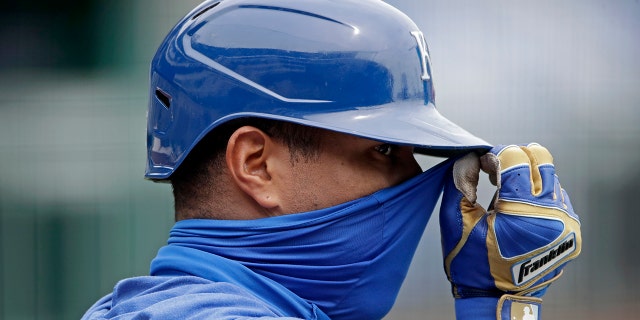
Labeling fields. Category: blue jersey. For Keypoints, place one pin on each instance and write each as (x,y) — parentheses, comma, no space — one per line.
(182,297)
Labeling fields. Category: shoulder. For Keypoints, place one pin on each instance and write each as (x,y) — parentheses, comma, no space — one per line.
(182,297)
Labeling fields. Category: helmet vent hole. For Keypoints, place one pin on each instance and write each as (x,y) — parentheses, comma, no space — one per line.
(195,16)
(164,98)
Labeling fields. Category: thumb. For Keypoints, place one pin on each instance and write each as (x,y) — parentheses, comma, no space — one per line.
(466,174)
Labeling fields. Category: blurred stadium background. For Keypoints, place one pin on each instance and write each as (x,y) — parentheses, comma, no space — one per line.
(76,214)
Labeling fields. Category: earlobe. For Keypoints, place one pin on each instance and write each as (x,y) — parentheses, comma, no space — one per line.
(247,157)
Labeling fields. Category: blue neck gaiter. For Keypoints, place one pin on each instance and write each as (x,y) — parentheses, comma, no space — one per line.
(348,260)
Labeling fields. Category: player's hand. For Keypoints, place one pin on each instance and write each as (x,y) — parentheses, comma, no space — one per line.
(522,243)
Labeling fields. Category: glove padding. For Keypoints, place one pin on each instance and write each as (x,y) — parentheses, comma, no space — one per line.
(529,233)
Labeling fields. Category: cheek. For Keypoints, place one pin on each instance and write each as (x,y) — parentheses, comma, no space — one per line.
(305,191)
(317,189)
(345,183)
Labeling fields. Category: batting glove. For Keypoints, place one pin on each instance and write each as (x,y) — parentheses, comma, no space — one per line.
(501,261)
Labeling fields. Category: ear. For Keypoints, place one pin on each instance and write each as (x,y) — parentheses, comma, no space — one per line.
(249,154)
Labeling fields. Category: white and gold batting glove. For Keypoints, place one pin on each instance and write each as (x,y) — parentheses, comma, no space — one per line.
(505,258)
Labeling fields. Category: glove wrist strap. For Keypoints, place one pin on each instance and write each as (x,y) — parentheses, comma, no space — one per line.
(518,306)
(512,307)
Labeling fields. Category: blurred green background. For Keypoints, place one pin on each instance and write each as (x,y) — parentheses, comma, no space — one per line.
(76,215)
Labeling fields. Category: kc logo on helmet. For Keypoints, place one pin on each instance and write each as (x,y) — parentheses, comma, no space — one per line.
(423,50)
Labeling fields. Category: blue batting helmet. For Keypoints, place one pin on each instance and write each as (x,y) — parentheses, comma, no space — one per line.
(359,67)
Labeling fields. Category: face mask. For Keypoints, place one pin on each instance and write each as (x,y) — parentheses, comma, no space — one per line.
(349,260)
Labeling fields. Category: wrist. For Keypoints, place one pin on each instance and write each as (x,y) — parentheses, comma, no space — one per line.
(518,307)
(507,307)
(480,308)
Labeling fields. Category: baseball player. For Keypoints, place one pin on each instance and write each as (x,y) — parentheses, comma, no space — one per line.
(287,130)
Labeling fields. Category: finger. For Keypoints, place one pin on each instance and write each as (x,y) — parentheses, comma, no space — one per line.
(501,159)
(512,156)
(511,170)
(466,174)
(542,171)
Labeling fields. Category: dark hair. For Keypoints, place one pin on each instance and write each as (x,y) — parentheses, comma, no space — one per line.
(206,161)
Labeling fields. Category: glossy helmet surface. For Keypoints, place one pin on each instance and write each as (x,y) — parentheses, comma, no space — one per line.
(359,67)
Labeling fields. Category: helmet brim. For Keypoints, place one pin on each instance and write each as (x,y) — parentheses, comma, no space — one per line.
(409,123)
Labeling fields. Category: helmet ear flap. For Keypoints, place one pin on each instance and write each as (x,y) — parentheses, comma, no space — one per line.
(163,97)
(160,119)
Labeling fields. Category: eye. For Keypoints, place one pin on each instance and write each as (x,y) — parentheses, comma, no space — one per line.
(385,149)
